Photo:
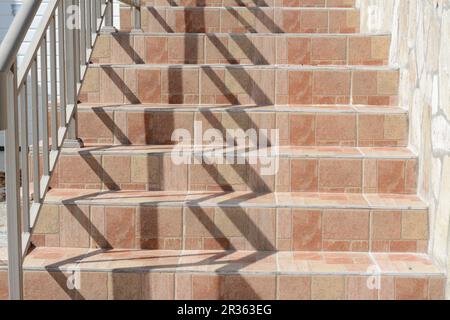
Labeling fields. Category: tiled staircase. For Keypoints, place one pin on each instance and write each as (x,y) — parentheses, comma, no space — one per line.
(340,214)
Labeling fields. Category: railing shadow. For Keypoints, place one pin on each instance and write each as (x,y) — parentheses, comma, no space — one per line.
(175,86)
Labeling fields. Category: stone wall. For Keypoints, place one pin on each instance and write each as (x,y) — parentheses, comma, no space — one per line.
(421,48)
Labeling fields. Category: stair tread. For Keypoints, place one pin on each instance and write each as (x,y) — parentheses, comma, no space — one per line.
(282,151)
(260,34)
(236,199)
(231,262)
(250,3)
(252,8)
(245,108)
(249,66)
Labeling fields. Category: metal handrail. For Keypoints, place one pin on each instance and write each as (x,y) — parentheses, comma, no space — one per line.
(16,34)
(62,51)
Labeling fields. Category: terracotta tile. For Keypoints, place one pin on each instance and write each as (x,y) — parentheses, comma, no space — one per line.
(302,130)
(102,50)
(199,222)
(346,225)
(340,175)
(329,50)
(391,176)
(95,127)
(205,287)
(183,284)
(111,85)
(137,127)
(299,51)
(97,228)
(175,177)
(4,293)
(329,86)
(344,21)
(294,288)
(300,87)
(336,129)
(48,221)
(247,287)
(386,225)
(156,50)
(364,83)
(80,169)
(387,83)
(159,286)
(304,175)
(125,286)
(328,288)
(411,289)
(122,47)
(262,229)
(396,127)
(231,222)
(313,21)
(116,171)
(436,289)
(163,222)
(74,226)
(149,83)
(42,285)
(146,169)
(120,227)
(93,286)
(188,49)
(307,230)
(357,288)
(387,288)
(415,225)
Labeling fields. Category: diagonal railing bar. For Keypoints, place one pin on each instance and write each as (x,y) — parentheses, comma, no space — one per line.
(59,52)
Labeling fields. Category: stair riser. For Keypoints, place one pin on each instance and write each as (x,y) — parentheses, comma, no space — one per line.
(136,285)
(262,86)
(232,228)
(245,20)
(242,49)
(252,3)
(101,125)
(157,172)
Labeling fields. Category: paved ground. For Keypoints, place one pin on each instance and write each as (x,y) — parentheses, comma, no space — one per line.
(2,163)
(2,224)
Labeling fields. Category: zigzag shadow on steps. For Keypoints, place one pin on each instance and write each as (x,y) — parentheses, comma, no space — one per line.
(62,276)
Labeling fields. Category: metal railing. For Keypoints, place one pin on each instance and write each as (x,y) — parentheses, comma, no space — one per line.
(59,53)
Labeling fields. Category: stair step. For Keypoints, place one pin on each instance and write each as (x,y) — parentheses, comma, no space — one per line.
(291,169)
(339,125)
(251,3)
(258,49)
(233,221)
(245,19)
(240,84)
(242,275)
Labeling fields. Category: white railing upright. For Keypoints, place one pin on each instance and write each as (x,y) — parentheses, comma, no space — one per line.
(58,53)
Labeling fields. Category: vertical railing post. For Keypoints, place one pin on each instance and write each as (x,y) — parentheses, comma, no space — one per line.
(25,158)
(109,16)
(88,24)
(72,65)
(9,103)
(35,132)
(94,17)
(136,16)
(53,85)
(83,32)
(44,110)
(62,63)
